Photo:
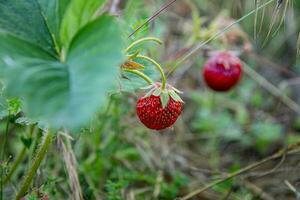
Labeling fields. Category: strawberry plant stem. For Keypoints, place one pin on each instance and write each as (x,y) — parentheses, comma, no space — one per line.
(143,40)
(19,158)
(140,74)
(2,167)
(158,67)
(40,155)
(15,165)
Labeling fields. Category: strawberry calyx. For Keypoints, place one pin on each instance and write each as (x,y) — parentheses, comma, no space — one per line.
(156,89)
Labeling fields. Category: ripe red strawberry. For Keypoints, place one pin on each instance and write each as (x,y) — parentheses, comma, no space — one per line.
(152,112)
(222,71)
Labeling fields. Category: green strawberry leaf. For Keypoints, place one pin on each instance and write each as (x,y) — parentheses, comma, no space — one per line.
(77,15)
(14,106)
(3,106)
(63,94)
(53,12)
(24,121)
(26,21)
(8,106)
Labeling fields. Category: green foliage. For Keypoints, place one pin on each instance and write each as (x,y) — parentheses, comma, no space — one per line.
(221,123)
(32,197)
(265,133)
(16,20)
(63,93)
(296,124)
(14,106)
(131,82)
(9,107)
(223,187)
(3,103)
(53,12)
(170,190)
(132,10)
(114,189)
(77,15)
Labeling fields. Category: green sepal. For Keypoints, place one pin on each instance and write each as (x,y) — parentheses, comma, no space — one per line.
(157,92)
(164,98)
(175,96)
(176,90)
(148,94)
(148,87)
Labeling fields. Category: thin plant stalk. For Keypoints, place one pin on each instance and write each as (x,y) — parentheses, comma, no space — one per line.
(71,163)
(140,74)
(2,158)
(215,36)
(153,39)
(157,13)
(15,166)
(271,88)
(291,149)
(40,155)
(19,158)
(158,67)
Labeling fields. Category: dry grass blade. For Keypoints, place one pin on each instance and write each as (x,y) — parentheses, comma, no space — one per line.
(258,191)
(294,148)
(298,46)
(215,36)
(287,3)
(292,188)
(274,18)
(262,20)
(271,88)
(163,8)
(257,3)
(70,162)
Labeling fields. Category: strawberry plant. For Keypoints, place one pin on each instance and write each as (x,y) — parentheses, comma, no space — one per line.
(89,105)
(61,63)
(60,59)
(161,106)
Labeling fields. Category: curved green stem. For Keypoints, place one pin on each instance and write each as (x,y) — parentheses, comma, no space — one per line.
(40,155)
(140,74)
(19,158)
(143,40)
(158,67)
(15,165)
